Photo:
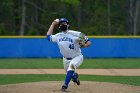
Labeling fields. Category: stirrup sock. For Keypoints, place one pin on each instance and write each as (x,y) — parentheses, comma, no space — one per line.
(74,78)
(68,77)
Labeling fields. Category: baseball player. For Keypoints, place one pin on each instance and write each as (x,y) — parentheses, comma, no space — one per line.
(69,42)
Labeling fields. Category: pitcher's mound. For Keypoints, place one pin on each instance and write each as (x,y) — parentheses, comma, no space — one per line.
(55,86)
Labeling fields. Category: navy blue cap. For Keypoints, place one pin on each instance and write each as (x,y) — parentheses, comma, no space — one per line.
(63,20)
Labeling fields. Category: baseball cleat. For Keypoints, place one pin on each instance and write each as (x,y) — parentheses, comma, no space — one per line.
(64,88)
(77,81)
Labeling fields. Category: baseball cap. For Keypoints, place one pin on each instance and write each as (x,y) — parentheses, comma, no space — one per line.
(63,20)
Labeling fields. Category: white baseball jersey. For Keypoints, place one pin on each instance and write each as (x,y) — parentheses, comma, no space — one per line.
(69,48)
(68,43)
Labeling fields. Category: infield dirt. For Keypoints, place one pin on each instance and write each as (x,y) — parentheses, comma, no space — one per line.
(55,86)
(112,72)
(85,87)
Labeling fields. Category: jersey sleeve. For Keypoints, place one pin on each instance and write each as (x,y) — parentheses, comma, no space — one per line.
(75,33)
(51,38)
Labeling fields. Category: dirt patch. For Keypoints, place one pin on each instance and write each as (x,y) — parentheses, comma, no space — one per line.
(112,72)
(54,87)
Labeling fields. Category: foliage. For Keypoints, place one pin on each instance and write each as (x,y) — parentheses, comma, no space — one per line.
(88,16)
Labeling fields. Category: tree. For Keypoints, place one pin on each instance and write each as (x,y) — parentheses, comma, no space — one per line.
(136,16)
(23,21)
(109,21)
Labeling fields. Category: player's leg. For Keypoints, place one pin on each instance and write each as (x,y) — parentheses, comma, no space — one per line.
(67,79)
(66,65)
(75,78)
(76,62)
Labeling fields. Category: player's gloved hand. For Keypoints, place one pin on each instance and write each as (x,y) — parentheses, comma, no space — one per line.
(81,39)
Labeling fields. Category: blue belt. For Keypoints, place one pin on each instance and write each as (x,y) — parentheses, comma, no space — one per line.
(69,58)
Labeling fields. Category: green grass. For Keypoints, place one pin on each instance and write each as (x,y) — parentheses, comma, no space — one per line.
(57,63)
(31,63)
(111,63)
(13,79)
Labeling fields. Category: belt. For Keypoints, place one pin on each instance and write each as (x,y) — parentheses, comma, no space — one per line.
(68,58)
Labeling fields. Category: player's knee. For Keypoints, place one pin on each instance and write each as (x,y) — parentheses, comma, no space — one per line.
(72,66)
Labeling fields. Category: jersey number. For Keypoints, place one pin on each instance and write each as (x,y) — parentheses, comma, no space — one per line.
(71,46)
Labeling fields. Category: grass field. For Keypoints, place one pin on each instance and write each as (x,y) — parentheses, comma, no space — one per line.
(57,63)
(12,79)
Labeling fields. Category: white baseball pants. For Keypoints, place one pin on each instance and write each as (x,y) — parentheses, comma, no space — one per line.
(73,63)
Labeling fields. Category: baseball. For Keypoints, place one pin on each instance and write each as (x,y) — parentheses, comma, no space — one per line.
(56,20)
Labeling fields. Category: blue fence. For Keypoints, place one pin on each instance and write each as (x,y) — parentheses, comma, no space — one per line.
(40,47)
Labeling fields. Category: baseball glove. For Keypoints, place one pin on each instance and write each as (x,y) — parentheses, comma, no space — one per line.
(82,39)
